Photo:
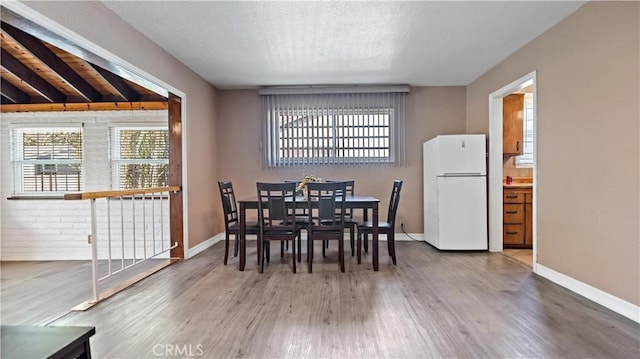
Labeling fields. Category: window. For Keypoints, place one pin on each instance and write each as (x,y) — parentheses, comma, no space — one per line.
(47,160)
(140,157)
(332,129)
(526,159)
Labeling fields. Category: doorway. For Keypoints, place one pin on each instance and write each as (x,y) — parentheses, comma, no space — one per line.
(497,164)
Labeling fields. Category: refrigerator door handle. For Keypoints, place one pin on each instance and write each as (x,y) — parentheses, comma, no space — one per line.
(462,174)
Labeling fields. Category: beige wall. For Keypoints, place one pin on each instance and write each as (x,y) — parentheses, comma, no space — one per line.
(95,22)
(430,112)
(588,135)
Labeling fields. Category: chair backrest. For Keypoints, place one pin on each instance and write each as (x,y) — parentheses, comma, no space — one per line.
(326,205)
(350,191)
(393,202)
(277,202)
(229,206)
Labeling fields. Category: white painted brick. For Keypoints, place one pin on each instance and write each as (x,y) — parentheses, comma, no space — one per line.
(58,229)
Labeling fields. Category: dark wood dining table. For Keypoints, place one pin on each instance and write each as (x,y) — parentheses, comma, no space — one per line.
(365,203)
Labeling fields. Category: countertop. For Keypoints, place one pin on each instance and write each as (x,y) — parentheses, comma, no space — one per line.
(519,183)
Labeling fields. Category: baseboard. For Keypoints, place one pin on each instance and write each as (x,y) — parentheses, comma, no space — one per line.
(605,299)
(418,237)
(195,250)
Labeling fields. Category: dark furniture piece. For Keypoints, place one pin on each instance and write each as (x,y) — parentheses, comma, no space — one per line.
(231,222)
(21,342)
(326,208)
(366,203)
(388,227)
(276,219)
(349,221)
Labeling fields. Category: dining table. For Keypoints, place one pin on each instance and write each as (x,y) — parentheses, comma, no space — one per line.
(365,203)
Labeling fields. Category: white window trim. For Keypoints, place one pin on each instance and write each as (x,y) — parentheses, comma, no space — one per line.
(526,159)
(113,149)
(17,163)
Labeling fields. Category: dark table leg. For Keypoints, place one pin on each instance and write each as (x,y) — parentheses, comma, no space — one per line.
(242,235)
(375,236)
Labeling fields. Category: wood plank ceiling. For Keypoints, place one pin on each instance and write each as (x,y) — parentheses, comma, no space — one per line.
(37,76)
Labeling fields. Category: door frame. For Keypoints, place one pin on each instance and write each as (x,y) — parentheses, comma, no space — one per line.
(496,162)
(64,33)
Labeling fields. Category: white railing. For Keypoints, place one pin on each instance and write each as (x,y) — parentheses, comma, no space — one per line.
(127,233)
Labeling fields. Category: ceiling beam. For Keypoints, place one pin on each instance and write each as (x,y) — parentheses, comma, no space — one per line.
(124,90)
(50,59)
(90,106)
(32,79)
(13,93)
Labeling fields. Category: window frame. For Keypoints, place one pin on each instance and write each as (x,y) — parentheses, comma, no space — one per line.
(114,150)
(16,135)
(347,118)
(528,133)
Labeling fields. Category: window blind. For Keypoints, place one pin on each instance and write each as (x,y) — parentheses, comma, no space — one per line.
(47,159)
(350,128)
(140,157)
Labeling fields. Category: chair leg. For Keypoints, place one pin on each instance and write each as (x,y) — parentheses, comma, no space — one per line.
(236,245)
(341,253)
(267,245)
(261,250)
(293,253)
(300,247)
(325,244)
(366,242)
(391,243)
(226,247)
(352,231)
(282,242)
(359,247)
(310,255)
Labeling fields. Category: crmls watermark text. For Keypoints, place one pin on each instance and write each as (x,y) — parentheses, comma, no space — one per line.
(178,350)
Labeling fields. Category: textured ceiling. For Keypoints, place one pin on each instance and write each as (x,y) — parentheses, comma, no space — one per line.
(248,44)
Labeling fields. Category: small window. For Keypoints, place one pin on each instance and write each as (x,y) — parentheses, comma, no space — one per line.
(526,159)
(140,157)
(47,160)
(333,129)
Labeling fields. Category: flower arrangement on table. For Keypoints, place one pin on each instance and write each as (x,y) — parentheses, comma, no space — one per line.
(302,186)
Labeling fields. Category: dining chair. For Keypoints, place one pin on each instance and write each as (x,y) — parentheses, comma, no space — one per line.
(231,221)
(276,219)
(349,221)
(388,227)
(301,217)
(326,207)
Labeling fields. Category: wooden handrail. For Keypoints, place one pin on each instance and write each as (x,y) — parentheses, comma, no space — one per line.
(124,192)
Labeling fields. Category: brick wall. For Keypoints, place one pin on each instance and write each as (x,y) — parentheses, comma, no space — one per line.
(54,229)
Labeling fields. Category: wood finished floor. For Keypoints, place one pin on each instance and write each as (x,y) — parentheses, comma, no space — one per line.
(431,305)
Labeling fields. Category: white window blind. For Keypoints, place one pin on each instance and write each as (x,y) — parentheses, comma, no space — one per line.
(140,157)
(346,128)
(47,160)
(526,159)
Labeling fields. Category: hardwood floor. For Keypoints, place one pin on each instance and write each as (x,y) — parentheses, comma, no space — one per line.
(432,304)
(524,256)
(39,292)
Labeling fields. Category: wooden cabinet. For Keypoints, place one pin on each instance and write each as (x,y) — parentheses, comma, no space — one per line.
(512,122)
(517,218)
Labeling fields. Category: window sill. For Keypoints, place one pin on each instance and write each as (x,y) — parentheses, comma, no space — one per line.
(29,197)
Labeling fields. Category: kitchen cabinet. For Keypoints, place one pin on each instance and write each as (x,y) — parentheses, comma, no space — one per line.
(512,122)
(517,218)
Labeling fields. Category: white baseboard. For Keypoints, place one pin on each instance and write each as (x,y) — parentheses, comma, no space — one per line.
(605,299)
(418,237)
(204,245)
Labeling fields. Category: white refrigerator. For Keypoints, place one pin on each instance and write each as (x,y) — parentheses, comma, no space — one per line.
(455,192)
